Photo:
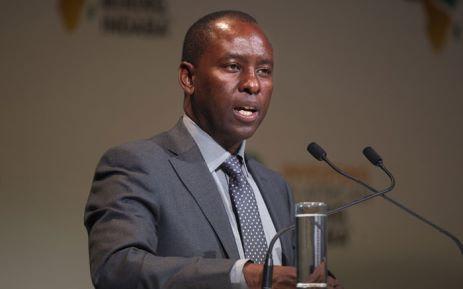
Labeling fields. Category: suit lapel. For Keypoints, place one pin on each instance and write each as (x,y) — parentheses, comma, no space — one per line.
(194,174)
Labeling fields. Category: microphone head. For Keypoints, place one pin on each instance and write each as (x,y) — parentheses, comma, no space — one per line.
(316,151)
(372,156)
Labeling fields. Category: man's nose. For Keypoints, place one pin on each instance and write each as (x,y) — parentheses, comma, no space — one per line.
(249,82)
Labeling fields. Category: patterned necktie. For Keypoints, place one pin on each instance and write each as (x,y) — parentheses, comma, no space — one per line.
(245,206)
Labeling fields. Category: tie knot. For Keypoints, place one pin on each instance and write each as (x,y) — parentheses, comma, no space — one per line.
(232,166)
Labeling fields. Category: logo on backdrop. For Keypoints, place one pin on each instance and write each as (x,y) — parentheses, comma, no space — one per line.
(123,17)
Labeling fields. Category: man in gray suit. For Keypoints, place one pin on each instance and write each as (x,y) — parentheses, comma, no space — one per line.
(166,212)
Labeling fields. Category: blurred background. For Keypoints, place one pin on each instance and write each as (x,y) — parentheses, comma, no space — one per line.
(80,76)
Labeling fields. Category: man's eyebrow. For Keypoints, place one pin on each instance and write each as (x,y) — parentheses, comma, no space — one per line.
(268,61)
(233,56)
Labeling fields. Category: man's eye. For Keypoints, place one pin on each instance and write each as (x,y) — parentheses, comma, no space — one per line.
(264,71)
(232,67)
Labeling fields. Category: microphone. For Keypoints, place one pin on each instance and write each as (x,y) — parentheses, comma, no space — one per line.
(318,153)
(372,156)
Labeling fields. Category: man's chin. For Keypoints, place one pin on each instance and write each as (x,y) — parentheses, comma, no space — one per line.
(244,133)
(232,139)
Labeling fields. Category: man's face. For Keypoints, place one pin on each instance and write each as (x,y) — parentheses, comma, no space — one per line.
(231,83)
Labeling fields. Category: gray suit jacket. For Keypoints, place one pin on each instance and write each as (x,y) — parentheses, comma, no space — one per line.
(155,218)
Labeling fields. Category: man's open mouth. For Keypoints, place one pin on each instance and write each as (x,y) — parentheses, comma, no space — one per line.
(246,110)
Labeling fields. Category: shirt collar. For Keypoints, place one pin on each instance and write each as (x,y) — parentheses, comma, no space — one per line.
(213,153)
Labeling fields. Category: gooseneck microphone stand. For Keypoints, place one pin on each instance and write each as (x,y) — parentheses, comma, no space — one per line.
(318,153)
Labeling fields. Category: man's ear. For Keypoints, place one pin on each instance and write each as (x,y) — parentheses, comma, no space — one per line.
(186,77)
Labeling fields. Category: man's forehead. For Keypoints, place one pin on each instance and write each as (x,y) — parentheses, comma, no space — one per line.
(227,27)
(242,35)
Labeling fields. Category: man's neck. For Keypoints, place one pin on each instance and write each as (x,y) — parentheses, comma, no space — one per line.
(233,148)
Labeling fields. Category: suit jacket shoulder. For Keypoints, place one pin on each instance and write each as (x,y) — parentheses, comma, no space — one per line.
(152,218)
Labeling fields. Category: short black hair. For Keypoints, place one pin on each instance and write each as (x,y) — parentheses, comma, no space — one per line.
(197,35)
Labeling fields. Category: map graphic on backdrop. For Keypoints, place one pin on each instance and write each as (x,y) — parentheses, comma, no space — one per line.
(444,18)
(124,17)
